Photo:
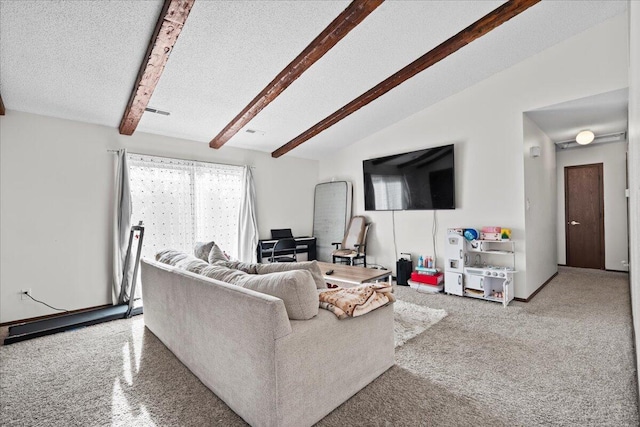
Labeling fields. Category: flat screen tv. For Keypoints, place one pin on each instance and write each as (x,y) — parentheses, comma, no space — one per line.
(418,180)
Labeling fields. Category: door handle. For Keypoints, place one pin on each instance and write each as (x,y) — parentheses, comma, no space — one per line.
(574,223)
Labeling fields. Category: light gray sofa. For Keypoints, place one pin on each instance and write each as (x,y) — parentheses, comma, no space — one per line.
(270,370)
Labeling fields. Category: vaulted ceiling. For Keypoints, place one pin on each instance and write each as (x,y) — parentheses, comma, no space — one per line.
(80,61)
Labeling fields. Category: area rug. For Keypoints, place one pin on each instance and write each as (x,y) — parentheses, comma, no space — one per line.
(410,320)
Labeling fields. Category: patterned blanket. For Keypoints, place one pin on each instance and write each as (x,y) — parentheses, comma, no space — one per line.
(353,302)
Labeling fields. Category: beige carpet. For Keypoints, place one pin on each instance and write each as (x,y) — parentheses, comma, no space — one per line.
(566,358)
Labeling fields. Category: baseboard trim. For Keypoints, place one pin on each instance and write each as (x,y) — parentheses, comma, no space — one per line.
(50,316)
(538,290)
(604,269)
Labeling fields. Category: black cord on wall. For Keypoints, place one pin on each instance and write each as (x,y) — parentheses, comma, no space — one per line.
(434,231)
(44,303)
(393,221)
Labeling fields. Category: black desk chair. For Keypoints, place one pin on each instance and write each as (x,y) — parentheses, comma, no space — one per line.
(288,245)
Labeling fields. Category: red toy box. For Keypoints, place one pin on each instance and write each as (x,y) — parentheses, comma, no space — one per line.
(428,279)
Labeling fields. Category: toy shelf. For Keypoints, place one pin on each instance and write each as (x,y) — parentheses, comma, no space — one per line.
(477,269)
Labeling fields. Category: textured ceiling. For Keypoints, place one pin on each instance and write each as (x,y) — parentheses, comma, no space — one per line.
(79,60)
(73,59)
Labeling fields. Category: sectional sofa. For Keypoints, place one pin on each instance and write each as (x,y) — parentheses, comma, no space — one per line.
(244,345)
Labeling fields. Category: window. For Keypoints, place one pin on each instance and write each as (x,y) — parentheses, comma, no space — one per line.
(181,202)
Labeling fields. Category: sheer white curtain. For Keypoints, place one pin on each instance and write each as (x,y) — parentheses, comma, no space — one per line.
(248,225)
(182,202)
(121,224)
(218,194)
(389,191)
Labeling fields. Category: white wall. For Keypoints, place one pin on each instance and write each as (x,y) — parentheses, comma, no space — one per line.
(485,122)
(613,158)
(540,207)
(57,187)
(634,168)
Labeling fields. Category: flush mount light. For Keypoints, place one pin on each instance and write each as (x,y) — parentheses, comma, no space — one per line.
(585,137)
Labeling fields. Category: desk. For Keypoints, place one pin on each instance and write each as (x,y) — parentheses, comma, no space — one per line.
(304,245)
(348,276)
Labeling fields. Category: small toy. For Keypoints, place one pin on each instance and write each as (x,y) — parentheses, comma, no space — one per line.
(471,234)
(506,234)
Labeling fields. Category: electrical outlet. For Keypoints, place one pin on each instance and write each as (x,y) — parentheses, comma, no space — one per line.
(24,293)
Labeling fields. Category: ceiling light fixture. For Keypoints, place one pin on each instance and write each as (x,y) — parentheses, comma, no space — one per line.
(600,139)
(585,137)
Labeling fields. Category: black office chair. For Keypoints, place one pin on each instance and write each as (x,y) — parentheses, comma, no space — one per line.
(289,247)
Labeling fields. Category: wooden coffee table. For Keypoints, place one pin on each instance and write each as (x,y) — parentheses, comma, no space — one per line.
(349,276)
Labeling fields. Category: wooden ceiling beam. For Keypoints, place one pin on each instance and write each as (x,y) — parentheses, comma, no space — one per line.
(2,110)
(170,22)
(353,15)
(474,31)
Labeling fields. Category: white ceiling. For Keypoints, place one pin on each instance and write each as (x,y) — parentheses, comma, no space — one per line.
(603,114)
(79,60)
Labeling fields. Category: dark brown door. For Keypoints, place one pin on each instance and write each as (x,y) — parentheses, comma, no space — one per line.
(584,216)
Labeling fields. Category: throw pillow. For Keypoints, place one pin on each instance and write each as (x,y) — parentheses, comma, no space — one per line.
(311,266)
(239,265)
(223,274)
(202,249)
(216,254)
(170,256)
(194,265)
(295,288)
(181,260)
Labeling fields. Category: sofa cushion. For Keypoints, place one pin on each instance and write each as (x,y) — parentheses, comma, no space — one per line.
(222,273)
(296,288)
(311,266)
(239,265)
